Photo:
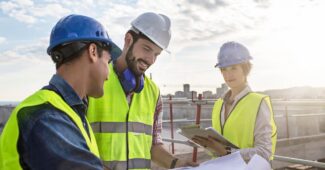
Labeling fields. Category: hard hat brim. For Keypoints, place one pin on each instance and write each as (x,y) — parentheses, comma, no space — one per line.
(115,51)
(222,65)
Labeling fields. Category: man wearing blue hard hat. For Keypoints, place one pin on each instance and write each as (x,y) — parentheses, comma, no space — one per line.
(127,120)
(49,130)
(244,117)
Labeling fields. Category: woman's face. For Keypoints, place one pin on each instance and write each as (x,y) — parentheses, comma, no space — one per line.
(234,76)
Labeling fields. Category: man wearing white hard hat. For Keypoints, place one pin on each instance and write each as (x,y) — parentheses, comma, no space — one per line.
(127,119)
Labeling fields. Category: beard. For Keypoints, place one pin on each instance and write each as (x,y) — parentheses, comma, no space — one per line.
(132,62)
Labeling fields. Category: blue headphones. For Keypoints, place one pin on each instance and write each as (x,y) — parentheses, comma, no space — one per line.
(130,82)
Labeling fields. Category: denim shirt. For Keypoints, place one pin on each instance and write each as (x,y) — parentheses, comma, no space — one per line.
(49,139)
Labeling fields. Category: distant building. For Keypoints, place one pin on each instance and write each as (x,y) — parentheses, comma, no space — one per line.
(194,94)
(224,86)
(167,96)
(179,94)
(186,88)
(222,90)
(186,93)
(300,93)
(207,95)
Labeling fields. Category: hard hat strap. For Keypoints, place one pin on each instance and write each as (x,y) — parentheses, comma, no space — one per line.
(72,48)
(69,51)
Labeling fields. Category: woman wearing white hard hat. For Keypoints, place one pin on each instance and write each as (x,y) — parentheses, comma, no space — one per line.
(242,116)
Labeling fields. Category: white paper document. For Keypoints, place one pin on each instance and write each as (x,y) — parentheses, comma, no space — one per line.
(233,161)
(258,163)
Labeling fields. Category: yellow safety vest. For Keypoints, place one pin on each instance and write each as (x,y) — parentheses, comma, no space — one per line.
(240,124)
(9,156)
(123,132)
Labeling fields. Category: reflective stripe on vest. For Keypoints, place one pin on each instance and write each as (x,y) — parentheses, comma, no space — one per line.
(120,127)
(112,117)
(9,156)
(240,124)
(133,164)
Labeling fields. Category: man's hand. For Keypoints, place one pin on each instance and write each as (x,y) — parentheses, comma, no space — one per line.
(164,159)
(211,143)
(184,163)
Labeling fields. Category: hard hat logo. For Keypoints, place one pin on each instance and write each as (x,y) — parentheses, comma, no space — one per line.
(232,53)
(155,26)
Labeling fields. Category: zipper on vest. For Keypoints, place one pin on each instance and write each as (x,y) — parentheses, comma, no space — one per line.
(221,126)
(127,134)
(127,139)
(226,118)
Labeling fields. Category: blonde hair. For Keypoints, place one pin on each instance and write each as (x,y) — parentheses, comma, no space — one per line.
(246,66)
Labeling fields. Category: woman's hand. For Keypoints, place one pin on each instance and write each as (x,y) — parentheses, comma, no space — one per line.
(211,143)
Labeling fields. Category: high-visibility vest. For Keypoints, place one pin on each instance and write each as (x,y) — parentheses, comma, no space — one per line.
(123,132)
(240,124)
(9,156)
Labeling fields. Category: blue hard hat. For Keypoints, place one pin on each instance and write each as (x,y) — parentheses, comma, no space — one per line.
(232,53)
(80,28)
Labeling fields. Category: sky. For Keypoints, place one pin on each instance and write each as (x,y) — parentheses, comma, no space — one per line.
(284,37)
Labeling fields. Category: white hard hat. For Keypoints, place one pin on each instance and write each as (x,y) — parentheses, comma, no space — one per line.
(155,26)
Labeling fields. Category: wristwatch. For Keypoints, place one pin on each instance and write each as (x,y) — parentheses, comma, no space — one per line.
(228,149)
(173,164)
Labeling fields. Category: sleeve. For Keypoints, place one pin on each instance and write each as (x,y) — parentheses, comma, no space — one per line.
(54,142)
(262,135)
(157,125)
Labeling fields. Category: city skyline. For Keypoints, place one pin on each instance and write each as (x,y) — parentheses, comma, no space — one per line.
(283,37)
(301,93)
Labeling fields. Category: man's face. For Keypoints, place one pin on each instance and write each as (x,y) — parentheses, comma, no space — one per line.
(141,55)
(100,74)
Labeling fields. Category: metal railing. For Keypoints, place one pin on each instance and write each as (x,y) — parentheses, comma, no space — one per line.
(285,104)
(299,161)
(276,157)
